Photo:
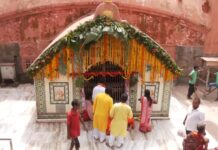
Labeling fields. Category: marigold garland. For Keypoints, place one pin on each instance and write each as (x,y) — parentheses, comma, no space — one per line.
(131,49)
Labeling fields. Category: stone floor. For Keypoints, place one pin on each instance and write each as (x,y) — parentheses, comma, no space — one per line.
(18,122)
(208,104)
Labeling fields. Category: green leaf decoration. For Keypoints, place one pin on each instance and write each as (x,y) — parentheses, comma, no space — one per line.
(62,68)
(148,68)
(92,36)
(133,80)
(91,31)
(79,81)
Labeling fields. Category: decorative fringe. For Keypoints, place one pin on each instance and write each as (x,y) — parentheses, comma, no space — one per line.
(68,62)
(72,63)
(111,49)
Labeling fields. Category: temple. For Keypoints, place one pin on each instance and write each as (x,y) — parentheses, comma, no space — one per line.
(102,44)
(55,52)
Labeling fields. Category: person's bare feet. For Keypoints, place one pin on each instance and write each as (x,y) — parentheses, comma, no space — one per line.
(102,141)
(189,97)
(107,144)
(96,138)
(121,145)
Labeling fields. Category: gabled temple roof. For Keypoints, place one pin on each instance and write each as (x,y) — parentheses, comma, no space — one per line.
(88,30)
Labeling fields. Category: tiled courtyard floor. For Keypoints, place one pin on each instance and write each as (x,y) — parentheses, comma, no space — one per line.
(18,122)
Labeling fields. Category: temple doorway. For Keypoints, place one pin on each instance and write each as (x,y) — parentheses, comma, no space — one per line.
(113,76)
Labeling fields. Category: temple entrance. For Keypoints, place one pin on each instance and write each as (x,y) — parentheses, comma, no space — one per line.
(113,75)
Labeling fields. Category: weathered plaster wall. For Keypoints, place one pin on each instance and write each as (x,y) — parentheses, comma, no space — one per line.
(33,29)
(190,9)
(211,43)
(186,58)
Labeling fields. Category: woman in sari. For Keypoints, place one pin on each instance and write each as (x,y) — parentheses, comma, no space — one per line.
(146,109)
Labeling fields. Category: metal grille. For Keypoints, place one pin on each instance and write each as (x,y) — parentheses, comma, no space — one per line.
(117,83)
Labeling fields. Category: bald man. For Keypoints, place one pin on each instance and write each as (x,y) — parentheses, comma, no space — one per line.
(194,116)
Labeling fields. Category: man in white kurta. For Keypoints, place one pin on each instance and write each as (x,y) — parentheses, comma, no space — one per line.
(194,116)
(120,113)
(99,88)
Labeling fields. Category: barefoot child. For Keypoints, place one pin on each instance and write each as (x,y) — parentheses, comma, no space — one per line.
(73,125)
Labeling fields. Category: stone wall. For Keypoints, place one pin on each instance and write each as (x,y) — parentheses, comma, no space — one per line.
(187,57)
(10,54)
(34,29)
(191,9)
(211,43)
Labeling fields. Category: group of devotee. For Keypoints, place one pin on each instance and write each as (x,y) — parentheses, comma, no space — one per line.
(104,110)
(111,118)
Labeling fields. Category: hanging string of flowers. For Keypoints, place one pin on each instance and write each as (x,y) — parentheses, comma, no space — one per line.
(104,40)
(138,60)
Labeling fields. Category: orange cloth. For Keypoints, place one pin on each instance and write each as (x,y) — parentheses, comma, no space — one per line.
(194,141)
(131,123)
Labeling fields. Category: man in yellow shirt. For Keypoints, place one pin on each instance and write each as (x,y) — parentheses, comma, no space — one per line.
(101,109)
(120,113)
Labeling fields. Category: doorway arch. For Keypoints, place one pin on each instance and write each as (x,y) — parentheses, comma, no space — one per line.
(113,77)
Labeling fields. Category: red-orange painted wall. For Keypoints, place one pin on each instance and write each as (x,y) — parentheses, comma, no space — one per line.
(35,28)
(211,43)
(190,9)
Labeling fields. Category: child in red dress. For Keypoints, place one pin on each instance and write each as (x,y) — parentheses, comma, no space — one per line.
(73,125)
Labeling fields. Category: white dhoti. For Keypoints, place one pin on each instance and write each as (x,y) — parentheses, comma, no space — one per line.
(99,135)
(120,140)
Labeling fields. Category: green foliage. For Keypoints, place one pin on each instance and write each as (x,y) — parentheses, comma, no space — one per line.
(91,31)
(133,79)
(79,81)
(62,68)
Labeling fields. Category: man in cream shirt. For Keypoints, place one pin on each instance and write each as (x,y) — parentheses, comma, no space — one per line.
(194,116)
